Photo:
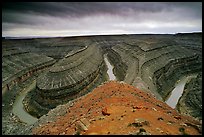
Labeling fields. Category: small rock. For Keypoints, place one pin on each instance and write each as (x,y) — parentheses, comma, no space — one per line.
(105,112)
(120,118)
(183,124)
(123,115)
(71,105)
(93,119)
(158,129)
(67,129)
(81,126)
(161,131)
(142,131)
(101,118)
(170,122)
(139,122)
(160,118)
(154,109)
(85,122)
(159,105)
(137,107)
(177,117)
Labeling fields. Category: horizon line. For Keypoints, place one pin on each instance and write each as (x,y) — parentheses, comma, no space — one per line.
(88,35)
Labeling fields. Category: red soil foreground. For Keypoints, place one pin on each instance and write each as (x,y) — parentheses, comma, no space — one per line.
(119,108)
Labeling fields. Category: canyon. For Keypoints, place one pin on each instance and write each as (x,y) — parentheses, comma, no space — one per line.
(41,75)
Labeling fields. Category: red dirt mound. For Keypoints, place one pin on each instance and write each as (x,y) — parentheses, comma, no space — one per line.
(118,108)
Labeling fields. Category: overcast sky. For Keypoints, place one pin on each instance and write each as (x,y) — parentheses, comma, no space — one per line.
(94,18)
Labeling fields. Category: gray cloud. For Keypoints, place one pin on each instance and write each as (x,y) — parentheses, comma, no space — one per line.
(97,17)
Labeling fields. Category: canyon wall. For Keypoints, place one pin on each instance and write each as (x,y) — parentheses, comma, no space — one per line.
(69,78)
(191,101)
(70,67)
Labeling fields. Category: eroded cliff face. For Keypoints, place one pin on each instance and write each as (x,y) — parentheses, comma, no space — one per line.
(116,108)
(158,61)
(190,102)
(71,77)
(18,65)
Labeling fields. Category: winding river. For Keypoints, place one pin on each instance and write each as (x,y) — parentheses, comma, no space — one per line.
(110,69)
(178,90)
(24,116)
(18,108)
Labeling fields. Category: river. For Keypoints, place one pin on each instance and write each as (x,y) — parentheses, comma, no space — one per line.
(18,108)
(178,91)
(110,69)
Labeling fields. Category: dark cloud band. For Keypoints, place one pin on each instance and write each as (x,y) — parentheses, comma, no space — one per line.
(35,14)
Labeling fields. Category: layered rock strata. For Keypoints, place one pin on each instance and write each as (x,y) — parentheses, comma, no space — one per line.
(56,48)
(120,67)
(157,62)
(68,79)
(190,102)
(152,63)
(18,65)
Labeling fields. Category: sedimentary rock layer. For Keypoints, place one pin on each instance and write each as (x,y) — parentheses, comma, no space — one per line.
(158,61)
(120,67)
(70,77)
(152,63)
(18,65)
(55,48)
(190,102)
